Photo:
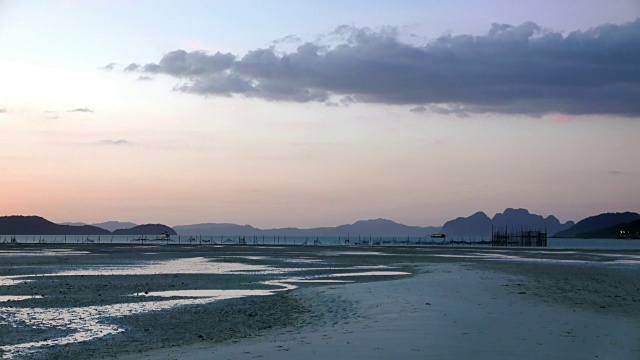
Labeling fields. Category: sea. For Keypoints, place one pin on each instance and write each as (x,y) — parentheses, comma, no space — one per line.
(553,243)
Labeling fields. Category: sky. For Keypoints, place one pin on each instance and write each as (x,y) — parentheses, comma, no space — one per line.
(317,113)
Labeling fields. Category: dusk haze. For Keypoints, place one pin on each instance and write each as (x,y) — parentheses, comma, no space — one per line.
(285,180)
(312,114)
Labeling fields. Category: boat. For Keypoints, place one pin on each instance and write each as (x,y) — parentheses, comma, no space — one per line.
(438,236)
(164,236)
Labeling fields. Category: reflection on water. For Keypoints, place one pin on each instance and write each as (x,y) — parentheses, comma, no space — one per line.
(92,322)
(85,322)
(371,273)
(217,294)
(4,298)
(44,252)
(337,253)
(604,259)
(319,281)
(197,265)
(11,280)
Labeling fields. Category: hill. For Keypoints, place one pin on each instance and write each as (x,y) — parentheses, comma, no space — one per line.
(598,222)
(147,229)
(107,225)
(521,218)
(114,225)
(212,229)
(36,225)
(377,227)
(480,225)
(626,230)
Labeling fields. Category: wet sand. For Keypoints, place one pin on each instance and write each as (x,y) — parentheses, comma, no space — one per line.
(460,303)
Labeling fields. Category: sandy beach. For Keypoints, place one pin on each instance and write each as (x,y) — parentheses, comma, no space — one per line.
(452,303)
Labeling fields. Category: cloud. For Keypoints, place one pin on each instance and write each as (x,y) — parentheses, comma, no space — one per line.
(452,109)
(522,69)
(86,110)
(3,110)
(114,142)
(110,66)
(144,78)
(289,39)
(51,115)
(132,67)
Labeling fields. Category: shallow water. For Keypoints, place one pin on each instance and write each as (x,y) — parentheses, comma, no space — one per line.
(257,271)
(76,324)
(216,241)
(5,298)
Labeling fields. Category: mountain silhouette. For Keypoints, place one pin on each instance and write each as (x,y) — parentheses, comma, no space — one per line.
(36,225)
(630,229)
(107,225)
(480,225)
(213,229)
(376,227)
(514,218)
(115,225)
(597,222)
(146,229)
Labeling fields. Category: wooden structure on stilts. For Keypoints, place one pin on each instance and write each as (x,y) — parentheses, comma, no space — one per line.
(521,237)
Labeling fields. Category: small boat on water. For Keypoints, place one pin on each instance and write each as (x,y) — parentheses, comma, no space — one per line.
(164,236)
(438,236)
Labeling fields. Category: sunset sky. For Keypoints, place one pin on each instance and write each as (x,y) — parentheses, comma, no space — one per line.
(318,113)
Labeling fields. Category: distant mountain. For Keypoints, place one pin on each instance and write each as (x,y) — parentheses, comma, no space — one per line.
(147,229)
(377,227)
(74,223)
(108,225)
(114,225)
(383,227)
(480,225)
(630,229)
(597,222)
(211,229)
(36,225)
(521,218)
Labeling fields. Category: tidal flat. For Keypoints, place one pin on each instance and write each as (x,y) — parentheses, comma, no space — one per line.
(170,301)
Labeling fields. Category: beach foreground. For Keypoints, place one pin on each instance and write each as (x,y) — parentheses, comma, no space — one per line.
(457,303)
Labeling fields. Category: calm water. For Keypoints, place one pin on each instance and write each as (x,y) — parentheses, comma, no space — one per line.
(251,271)
(555,243)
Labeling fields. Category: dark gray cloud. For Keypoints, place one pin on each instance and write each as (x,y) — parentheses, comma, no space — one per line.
(86,110)
(114,142)
(522,69)
(196,63)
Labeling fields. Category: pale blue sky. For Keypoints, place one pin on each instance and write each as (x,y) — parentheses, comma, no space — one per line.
(80,143)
